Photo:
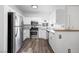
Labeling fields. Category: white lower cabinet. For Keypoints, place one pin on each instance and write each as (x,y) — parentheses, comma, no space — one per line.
(60,42)
(56,42)
(52,40)
(64,41)
(42,34)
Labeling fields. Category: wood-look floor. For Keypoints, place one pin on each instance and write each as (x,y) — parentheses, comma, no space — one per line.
(36,46)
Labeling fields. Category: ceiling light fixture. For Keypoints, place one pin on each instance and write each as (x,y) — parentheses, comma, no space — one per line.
(35,6)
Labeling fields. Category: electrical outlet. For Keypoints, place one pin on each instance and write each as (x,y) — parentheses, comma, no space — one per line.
(69,50)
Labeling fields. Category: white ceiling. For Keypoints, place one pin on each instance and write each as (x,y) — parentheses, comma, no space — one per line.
(41,10)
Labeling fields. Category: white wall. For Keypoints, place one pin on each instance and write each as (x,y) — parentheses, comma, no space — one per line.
(15,9)
(2,28)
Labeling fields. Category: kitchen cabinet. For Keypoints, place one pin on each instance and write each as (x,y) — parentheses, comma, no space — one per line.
(73,17)
(58,42)
(68,16)
(68,42)
(52,40)
(42,33)
(61,15)
(64,41)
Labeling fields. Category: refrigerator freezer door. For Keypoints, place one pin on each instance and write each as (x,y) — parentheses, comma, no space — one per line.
(17,20)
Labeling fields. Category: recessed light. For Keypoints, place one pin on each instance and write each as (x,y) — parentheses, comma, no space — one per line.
(35,6)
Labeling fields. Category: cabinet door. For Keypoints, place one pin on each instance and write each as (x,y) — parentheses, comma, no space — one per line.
(52,40)
(60,40)
(61,15)
(73,16)
(42,34)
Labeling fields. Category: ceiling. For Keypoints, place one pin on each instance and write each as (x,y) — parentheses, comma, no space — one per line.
(41,10)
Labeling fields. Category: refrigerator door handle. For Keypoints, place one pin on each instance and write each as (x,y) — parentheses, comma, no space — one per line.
(16,33)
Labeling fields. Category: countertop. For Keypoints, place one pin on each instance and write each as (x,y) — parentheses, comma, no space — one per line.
(53,30)
(70,30)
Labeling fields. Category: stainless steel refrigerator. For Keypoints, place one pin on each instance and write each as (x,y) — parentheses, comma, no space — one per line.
(15,32)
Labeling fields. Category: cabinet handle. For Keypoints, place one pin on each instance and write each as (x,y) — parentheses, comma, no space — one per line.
(60,36)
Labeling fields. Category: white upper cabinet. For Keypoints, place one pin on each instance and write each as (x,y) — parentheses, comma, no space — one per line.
(61,15)
(68,16)
(73,17)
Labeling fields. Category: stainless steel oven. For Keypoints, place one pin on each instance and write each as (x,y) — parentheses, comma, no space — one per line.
(34,29)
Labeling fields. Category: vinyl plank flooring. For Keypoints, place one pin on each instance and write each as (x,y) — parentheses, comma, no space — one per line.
(36,45)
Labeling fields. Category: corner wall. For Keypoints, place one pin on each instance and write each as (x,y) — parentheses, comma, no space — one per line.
(2,28)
